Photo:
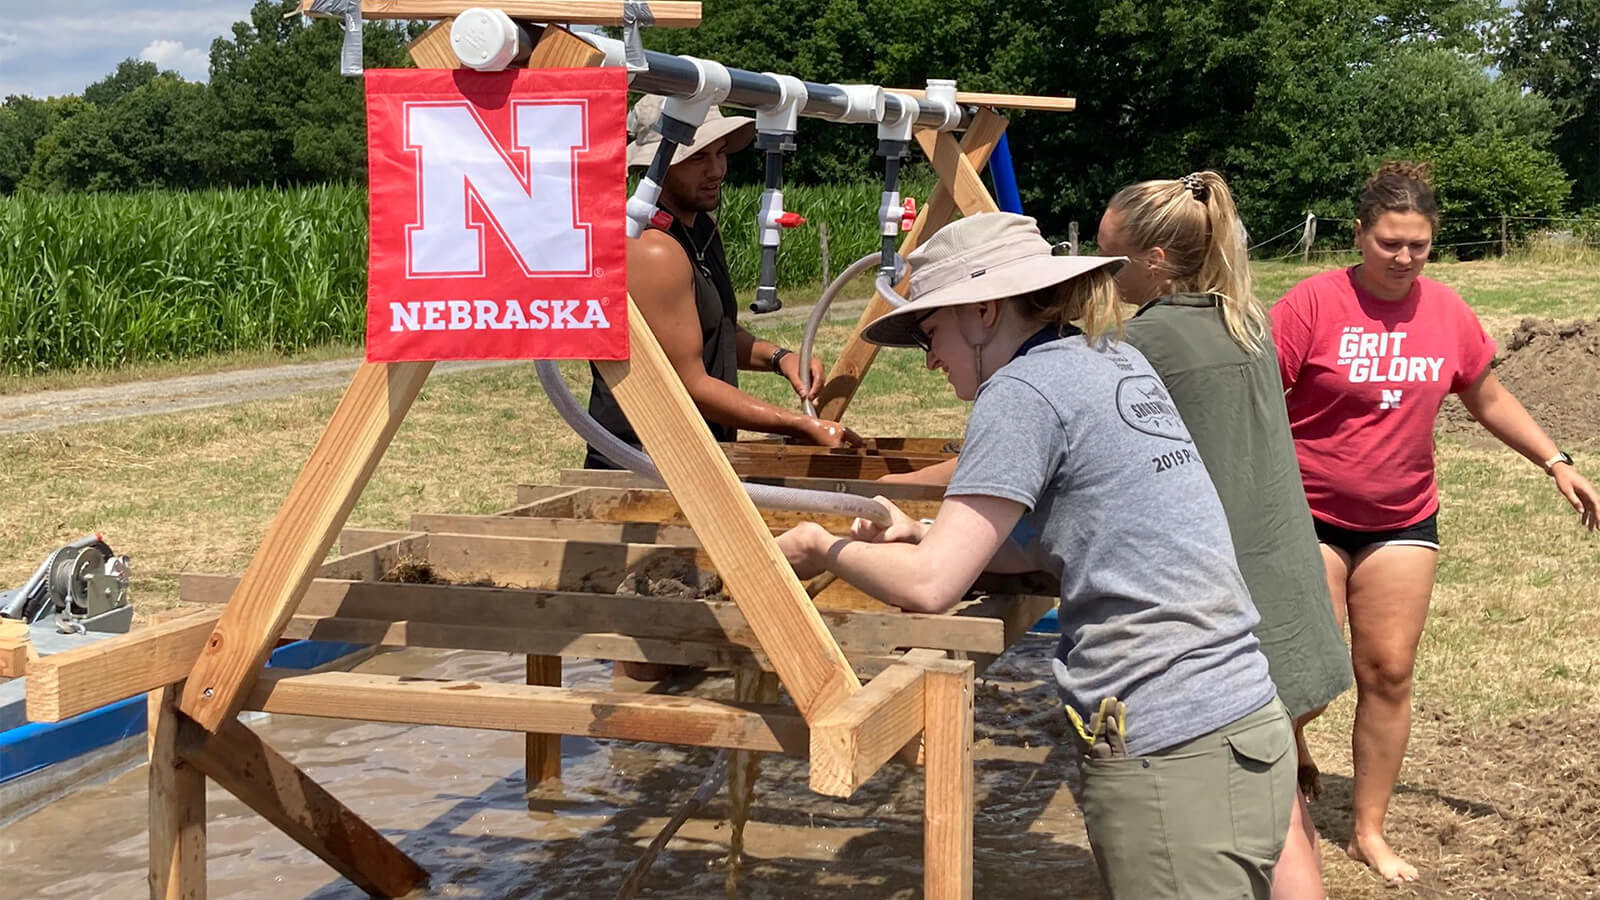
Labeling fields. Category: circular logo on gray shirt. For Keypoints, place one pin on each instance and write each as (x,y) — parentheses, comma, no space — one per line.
(1146,406)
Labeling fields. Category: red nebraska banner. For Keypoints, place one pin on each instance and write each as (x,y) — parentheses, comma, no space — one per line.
(497,214)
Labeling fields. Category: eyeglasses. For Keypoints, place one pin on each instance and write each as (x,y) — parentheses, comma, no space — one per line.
(919,336)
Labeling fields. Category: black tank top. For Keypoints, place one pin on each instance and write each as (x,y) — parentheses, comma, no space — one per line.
(715,303)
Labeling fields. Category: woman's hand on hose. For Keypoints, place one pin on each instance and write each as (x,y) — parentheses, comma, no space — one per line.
(1580,493)
(901,528)
(827,434)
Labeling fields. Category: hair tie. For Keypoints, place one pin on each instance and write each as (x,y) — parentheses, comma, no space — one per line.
(1196,187)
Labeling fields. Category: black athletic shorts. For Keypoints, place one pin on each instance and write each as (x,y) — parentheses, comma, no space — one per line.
(1352,542)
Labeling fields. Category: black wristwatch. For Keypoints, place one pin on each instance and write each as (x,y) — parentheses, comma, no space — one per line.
(777,357)
(1561,457)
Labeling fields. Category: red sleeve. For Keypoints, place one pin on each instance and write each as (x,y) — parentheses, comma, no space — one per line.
(1291,333)
(1475,349)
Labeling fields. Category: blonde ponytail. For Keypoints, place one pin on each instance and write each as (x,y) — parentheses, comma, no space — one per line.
(1195,223)
(1089,301)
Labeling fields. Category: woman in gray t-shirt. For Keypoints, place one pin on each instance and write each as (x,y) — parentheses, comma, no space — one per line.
(1076,462)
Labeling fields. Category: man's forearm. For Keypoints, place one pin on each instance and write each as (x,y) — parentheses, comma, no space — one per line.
(754,354)
(725,404)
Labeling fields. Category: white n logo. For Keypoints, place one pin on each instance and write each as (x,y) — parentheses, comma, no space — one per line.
(533,210)
(1391,399)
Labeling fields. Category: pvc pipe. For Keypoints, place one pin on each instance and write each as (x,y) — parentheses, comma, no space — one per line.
(765,496)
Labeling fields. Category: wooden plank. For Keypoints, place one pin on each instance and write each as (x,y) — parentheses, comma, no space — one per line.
(1006,101)
(299,537)
(769,449)
(785,462)
(955,169)
(238,760)
(353,541)
(639,505)
(374,562)
(551,563)
(947,801)
(177,798)
(542,752)
(558,48)
(432,50)
(860,487)
(856,358)
(807,658)
(526,708)
(564,613)
(667,13)
(16,648)
(75,681)
(855,738)
(544,500)
(547,527)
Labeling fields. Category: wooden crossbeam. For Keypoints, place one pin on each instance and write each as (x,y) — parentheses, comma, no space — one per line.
(856,358)
(299,537)
(552,527)
(637,505)
(855,738)
(1005,101)
(666,13)
(533,709)
(748,463)
(280,792)
(75,681)
(619,479)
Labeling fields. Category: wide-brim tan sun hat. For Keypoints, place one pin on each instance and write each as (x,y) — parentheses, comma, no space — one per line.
(644,124)
(987,256)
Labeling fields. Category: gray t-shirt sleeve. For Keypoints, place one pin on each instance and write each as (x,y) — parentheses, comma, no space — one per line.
(1014,444)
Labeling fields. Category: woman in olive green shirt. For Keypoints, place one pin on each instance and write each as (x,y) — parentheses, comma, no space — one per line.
(1208,338)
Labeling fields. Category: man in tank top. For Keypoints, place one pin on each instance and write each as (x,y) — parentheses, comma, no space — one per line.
(678,278)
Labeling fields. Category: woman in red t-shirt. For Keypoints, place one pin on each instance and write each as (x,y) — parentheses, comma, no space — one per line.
(1367,356)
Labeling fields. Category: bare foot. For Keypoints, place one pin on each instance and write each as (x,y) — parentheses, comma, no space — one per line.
(1375,852)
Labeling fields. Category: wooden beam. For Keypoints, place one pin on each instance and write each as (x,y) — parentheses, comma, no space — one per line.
(955,169)
(947,800)
(636,505)
(547,527)
(1006,101)
(865,466)
(855,738)
(559,48)
(432,49)
(16,648)
(526,708)
(542,752)
(177,798)
(856,358)
(667,13)
(299,537)
(621,479)
(565,613)
(237,759)
(75,681)
(807,658)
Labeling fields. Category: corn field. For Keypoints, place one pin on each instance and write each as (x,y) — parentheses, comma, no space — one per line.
(100,280)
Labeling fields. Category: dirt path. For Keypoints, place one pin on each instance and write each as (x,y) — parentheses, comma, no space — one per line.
(46,410)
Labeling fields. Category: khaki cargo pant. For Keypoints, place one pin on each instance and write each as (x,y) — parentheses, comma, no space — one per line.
(1204,819)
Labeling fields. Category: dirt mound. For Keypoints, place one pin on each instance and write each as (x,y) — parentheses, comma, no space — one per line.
(1554,369)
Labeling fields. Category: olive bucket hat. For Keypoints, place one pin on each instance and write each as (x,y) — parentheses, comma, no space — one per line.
(645,128)
(987,256)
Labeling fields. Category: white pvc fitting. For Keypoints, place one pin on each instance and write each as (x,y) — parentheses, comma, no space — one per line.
(898,126)
(941,95)
(487,40)
(711,87)
(864,103)
(641,206)
(767,217)
(616,52)
(785,114)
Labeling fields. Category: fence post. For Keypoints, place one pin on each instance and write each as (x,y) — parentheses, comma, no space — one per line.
(1308,237)
(1505,244)
(822,244)
(1072,238)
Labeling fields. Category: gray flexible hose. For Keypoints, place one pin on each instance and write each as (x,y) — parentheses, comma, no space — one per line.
(820,312)
(765,496)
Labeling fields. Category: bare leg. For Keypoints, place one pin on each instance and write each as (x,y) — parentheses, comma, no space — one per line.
(1298,875)
(1337,566)
(1388,597)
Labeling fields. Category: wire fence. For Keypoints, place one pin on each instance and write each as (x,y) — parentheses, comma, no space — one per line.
(1553,233)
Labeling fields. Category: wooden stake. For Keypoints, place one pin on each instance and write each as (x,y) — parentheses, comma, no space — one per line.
(543,751)
(177,808)
(236,758)
(947,809)
(857,356)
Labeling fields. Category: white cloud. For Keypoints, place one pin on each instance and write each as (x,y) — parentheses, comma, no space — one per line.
(191,62)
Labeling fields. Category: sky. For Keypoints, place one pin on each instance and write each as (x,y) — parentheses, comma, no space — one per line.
(53,47)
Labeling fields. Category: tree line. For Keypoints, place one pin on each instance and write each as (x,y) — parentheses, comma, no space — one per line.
(1294,102)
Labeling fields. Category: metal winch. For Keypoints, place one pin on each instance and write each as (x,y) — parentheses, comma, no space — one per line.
(83,585)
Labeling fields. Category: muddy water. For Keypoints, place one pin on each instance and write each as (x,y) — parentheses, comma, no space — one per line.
(453,799)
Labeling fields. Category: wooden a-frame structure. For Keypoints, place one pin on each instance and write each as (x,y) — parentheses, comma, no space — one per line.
(202,670)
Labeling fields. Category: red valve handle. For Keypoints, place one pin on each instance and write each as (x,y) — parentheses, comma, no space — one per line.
(790,220)
(908,215)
